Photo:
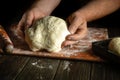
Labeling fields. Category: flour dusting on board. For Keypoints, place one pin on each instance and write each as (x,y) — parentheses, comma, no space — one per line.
(85,44)
(80,51)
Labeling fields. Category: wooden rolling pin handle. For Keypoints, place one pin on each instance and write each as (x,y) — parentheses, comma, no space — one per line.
(8,45)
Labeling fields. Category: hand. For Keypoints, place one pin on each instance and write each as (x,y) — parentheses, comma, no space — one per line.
(30,17)
(39,9)
(77,28)
(27,20)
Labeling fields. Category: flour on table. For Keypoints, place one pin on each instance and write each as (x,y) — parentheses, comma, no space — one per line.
(40,65)
(85,44)
(67,66)
(79,51)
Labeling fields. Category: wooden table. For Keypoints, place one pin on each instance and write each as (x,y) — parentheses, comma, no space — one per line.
(13,67)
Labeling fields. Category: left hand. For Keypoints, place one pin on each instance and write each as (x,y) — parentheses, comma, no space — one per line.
(28,19)
(77,27)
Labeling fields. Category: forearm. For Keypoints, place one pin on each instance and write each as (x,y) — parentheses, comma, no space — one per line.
(47,6)
(98,8)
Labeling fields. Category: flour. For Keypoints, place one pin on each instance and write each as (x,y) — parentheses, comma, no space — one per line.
(67,52)
(79,51)
(76,48)
(35,63)
(41,65)
(39,78)
(67,66)
(84,44)
(50,67)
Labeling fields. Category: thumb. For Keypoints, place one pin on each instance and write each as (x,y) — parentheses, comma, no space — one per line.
(29,21)
(73,27)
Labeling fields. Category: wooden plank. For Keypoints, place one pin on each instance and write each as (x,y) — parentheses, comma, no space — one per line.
(105,72)
(39,69)
(10,66)
(80,51)
(112,72)
(98,72)
(73,70)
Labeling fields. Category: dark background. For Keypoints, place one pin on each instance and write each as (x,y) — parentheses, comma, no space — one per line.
(12,10)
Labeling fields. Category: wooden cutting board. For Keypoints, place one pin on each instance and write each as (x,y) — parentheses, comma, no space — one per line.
(82,50)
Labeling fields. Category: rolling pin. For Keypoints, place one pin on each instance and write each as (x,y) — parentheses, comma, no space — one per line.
(8,45)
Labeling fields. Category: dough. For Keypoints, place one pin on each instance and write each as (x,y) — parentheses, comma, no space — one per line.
(47,33)
(114,45)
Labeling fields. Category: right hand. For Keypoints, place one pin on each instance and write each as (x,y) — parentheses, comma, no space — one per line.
(77,27)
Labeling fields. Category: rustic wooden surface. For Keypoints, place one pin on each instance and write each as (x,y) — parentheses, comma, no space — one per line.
(82,50)
(16,67)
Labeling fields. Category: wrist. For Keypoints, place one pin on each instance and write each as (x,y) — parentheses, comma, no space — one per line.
(81,16)
(46,6)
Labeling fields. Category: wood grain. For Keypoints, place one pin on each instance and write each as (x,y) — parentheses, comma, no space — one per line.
(79,51)
(11,66)
(73,70)
(39,69)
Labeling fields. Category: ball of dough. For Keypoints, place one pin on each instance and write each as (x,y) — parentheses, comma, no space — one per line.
(47,33)
(114,45)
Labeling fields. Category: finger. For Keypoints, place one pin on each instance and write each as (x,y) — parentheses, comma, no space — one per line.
(26,21)
(29,20)
(37,17)
(21,22)
(79,34)
(66,43)
(73,37)
(18,31)
(73,26)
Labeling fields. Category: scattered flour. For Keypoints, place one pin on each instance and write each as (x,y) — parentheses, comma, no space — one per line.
(42,66)
(39,78)
(85,44)
(48,66)
(67,66)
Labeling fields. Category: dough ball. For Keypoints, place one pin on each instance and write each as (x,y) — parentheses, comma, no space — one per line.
(47,33)
(114,45)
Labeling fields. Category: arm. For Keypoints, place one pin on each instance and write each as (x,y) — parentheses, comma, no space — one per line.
(93,10)
(98,8)
(38,10)
(47,6)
